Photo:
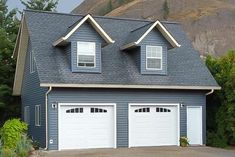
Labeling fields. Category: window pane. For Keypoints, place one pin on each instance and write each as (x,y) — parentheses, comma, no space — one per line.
(89,65)
(154,51)
(85,59)
(86,48)
(148,52)
(153,63)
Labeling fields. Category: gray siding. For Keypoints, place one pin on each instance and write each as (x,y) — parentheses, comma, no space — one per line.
(86,33)
(122,97)
(33,94)
(154,38)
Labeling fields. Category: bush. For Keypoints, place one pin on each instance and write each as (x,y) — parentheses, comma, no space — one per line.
(216,140)
(184,141)
(5,152)
(23,146)
(11,132)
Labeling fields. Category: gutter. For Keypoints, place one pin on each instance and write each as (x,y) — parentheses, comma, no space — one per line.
(212,91)
(46,106)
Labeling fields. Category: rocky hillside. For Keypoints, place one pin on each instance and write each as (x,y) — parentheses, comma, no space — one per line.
(210,24)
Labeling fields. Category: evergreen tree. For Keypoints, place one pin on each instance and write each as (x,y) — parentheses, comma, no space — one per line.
(166,10)
(221,104)
(8,31)
(45,5)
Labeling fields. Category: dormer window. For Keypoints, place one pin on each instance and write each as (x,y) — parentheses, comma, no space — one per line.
(153,57)
(86,54)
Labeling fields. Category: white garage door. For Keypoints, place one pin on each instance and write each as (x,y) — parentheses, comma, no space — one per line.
(153,125)
(86,126)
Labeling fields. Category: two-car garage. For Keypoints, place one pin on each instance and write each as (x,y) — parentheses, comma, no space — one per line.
(94,125)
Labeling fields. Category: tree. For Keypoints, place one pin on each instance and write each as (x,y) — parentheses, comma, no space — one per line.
(8,31)
(166,10)
(221,104)
(45,5)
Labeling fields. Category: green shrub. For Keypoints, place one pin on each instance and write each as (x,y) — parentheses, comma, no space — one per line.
(5,152)
(216,140)
(23,146)
(36,145)
(184,141)
(12,131)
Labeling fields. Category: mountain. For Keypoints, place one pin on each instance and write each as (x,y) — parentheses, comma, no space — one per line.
(210,24)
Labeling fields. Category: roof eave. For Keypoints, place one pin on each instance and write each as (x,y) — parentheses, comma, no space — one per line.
(128,46)
(129,86)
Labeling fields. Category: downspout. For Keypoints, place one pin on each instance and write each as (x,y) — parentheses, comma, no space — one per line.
(46,106)
(212,90)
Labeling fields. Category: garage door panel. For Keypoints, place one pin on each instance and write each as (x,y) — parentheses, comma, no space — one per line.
(91,128)
(155,126)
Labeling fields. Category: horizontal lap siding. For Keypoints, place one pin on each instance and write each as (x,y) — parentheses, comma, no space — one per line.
(33,94)
(86,33)
(154,38)
(121,97)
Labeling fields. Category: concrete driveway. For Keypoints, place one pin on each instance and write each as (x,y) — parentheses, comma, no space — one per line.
(146,152)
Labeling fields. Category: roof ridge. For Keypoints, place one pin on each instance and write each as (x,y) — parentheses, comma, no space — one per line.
(97,16)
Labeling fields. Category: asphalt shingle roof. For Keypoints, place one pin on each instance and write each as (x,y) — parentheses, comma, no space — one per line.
(185,67)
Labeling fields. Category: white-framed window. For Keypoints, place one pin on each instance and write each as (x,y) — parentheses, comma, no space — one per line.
(27,115)
(86,54)
(37,115)
(32,62)
(153,57)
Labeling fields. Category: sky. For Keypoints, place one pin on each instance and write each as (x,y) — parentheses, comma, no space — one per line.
(64,6)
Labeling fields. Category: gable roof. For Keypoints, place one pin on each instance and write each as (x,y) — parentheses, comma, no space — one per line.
(137,35)
(75,26)
(119,69)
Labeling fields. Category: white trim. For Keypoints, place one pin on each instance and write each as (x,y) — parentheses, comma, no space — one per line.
(128,86)
(146,58)
(162,29)
(21,57)
(89,104)
(46,115)
(87,54)
(27,114)
(39,115)
(97,27)
(31,62)
(153,104)
(201,133)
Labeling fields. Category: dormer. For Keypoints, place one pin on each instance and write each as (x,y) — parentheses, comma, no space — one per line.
(85,39)
(154,41)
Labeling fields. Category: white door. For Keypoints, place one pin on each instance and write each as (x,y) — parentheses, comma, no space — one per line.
(86,126)
(194,125)
(153,125)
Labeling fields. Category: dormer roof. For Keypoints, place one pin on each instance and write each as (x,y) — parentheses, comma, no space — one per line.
(137,35)
(88,18)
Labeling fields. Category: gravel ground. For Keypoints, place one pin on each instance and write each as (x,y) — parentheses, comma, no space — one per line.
(144,152)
